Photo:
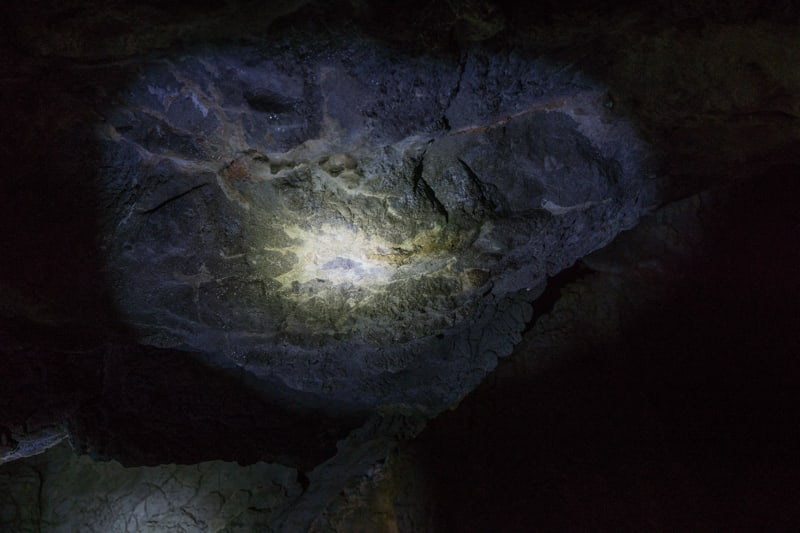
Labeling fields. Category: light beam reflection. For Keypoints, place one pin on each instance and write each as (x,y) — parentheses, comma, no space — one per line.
(340,255)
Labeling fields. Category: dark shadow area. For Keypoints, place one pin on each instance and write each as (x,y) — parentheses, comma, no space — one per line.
(51,269)
(687,423)
(690,422)
(545,302)
(65,353)
(149,406)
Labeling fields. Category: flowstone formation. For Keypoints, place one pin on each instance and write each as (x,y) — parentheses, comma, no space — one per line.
(357,222)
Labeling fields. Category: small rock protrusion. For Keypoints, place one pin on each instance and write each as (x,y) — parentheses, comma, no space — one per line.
(338,163)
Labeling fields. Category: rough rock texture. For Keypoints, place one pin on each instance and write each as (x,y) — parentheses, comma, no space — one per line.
(62,492)
(496,143)
(350,218)
(645,409)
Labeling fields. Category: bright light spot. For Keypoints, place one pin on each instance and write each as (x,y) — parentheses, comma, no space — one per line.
(339,255)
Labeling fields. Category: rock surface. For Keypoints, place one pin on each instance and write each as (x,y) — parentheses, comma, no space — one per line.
(344,216)
(218,225)
(76,494)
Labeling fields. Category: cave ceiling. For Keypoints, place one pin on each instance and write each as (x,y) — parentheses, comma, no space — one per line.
(295,232)
(357,221)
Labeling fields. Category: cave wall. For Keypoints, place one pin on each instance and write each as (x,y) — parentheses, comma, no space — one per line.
(659,361)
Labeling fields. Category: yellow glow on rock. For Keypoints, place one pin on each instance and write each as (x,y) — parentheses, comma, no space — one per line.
(338,255)
(342,255)
(345,281)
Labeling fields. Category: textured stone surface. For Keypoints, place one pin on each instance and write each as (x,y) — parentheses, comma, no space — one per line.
(346,218)
(142,406)
(76,494)
(111,123)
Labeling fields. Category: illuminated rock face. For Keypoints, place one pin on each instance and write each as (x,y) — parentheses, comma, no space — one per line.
(355,221)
